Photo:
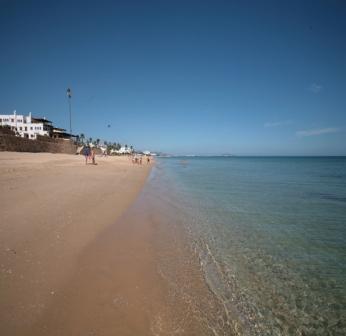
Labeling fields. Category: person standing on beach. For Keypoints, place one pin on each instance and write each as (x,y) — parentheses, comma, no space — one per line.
(93,156)
(89,157)
(86,153)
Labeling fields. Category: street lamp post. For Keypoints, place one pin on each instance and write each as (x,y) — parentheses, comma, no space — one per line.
(69,96)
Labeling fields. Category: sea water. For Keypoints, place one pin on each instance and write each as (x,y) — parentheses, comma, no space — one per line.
(270,234)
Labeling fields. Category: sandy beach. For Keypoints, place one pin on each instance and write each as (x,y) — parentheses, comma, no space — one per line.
(52,207)
(86,250)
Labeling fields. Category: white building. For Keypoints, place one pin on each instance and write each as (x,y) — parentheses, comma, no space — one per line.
(122,150)
(26,126)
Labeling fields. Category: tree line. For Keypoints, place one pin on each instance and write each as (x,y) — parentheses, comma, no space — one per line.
(83,140)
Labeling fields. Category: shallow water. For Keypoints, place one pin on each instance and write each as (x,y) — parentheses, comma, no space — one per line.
(270,234)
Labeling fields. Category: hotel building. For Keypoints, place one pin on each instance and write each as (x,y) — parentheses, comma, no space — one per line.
(27,126)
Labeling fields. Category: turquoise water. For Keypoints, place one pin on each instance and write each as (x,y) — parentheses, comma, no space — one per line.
(271,238)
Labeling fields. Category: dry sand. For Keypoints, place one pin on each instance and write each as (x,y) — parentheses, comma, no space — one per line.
(52,207)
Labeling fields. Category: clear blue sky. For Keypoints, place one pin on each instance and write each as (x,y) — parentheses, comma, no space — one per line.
(205,77)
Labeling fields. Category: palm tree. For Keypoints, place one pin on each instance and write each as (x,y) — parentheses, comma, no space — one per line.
(97,142)
(90,140)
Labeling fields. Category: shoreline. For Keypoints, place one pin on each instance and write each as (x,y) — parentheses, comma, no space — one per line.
(140,276)
(132,269)
(52,207)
